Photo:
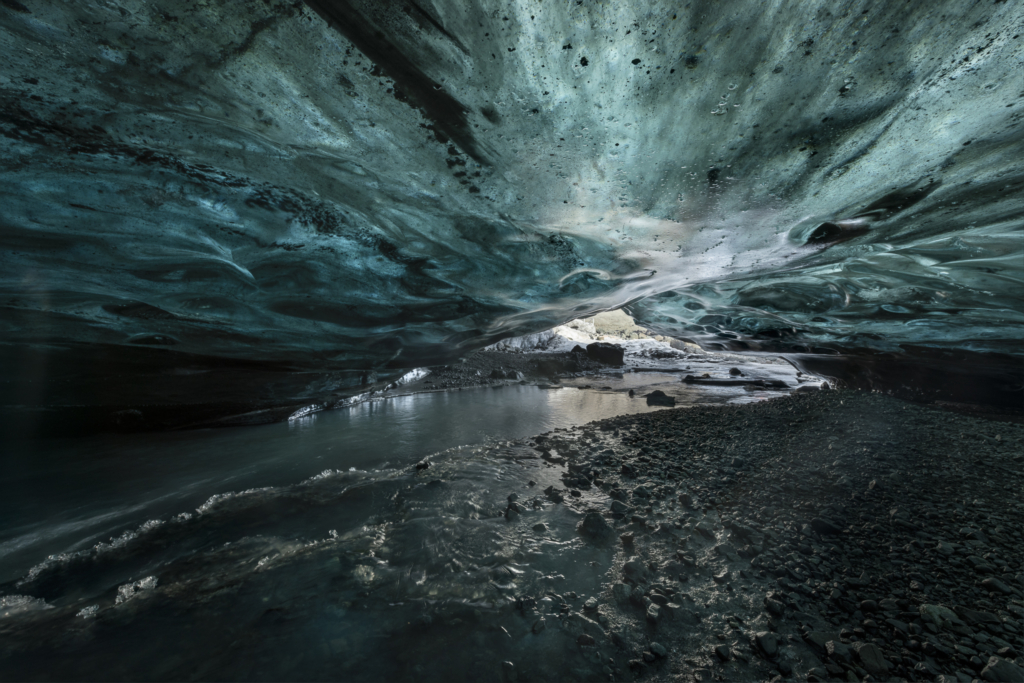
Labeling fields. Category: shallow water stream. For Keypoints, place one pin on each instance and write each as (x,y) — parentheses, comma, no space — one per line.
(313,549)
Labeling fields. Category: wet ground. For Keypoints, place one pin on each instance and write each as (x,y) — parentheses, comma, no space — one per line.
(810,536)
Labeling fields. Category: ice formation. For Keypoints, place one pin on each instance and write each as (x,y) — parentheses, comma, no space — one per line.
(244,203)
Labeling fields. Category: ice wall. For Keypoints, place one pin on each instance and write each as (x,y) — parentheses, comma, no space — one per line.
(348,184)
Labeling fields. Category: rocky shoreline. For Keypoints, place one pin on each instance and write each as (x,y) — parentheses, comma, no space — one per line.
(819,535)
(833,535)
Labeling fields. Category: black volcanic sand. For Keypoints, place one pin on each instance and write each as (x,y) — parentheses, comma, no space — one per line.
(828,535)
(825,536)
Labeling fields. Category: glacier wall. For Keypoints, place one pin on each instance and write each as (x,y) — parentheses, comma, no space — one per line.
(350,185)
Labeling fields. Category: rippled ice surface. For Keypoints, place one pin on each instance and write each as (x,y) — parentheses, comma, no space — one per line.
(310,550)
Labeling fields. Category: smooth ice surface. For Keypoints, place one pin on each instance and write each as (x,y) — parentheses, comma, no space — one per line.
(244,180)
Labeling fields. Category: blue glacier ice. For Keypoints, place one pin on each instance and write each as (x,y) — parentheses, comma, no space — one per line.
(305,194)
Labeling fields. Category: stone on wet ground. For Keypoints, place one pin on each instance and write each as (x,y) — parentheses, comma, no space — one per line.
(880,550)
(735,543)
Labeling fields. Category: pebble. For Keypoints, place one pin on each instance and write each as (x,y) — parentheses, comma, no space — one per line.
(768,643)
(634,570)
(659,650)
(595,527)
(871,658)
(994,585)
(999,669)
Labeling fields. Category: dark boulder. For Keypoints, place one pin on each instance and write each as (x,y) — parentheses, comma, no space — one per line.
(595,528)
(660,398)
(609,354)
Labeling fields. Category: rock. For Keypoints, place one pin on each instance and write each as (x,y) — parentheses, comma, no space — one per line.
(818,673)
(946,549)
(994,585)
(671,610)
(686,499)
(621,592)
(767,643)
(620,508)
(735,372)
(902,627)
(659,650)
(603,352)
(595,528)
(702,675)
(653,613)
(774,606)
(554,494)
(868,606)
(839,652)
(972,534)
(508,671)
(591,604)
(513,497)
(511,514)
(976,617)
(705,529)
(825,527)
(871,658)
(938,615)
(634,570)
(660,398)
(420,466)
(723,652)
(685,559)
(728,551)
(578,349)
(540,527)
(539,625)
(626,538)
(817,639)
(585,640)
(888,605)
(999,669)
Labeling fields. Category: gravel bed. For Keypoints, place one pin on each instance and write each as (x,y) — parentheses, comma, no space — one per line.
(831,535)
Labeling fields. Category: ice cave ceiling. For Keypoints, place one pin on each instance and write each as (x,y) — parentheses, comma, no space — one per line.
(381,184)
